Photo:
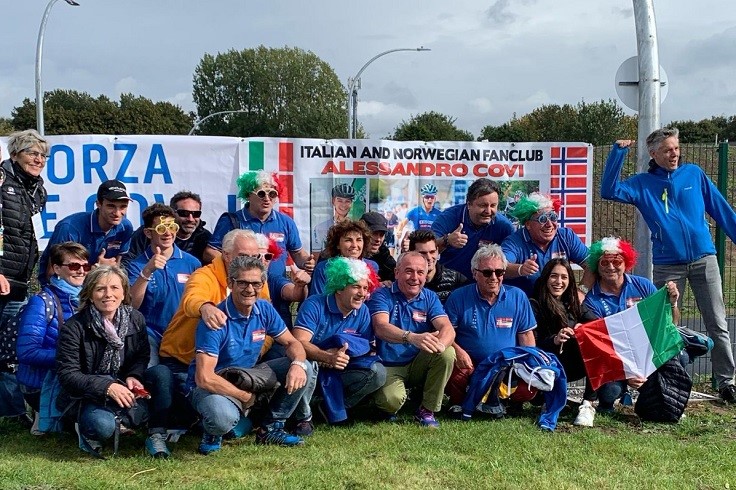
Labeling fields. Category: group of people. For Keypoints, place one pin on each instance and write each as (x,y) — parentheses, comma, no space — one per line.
(170,325)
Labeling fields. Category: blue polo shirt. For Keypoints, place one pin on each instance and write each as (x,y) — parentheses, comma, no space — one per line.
(277,280)
(321,316)
(84,228)
(635,289)
(277,226)
(483,329)
(319,276)
(239,342)
(423,220)
(459,258)
(519,246)
(165,288)
(415,315)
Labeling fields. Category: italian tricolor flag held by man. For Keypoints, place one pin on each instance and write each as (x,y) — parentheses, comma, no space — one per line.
(631,344)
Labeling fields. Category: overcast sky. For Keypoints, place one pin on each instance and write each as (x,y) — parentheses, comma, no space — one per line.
(489,60)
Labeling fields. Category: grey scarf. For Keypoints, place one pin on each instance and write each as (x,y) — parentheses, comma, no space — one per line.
(114,334)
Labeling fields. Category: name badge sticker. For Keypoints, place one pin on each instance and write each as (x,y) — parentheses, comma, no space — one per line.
(259,335)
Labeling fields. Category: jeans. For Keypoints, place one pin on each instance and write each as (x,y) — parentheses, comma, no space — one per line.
(220,415)
(11,398)
(609,393)
(359,383)
(155,345)
(705,282)
(98,423)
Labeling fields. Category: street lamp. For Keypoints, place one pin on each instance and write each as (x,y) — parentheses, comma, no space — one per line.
(198,121)
(39,54)
(354,85)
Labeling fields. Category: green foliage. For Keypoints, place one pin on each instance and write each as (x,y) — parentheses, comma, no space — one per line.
(719,128)
(72,112)
(287,92)
(6,126)
(599,123)
(430,126)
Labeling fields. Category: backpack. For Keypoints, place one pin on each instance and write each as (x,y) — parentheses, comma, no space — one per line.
(9,329)
(665,394)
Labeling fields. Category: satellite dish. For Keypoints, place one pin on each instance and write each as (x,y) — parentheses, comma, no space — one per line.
(627,83)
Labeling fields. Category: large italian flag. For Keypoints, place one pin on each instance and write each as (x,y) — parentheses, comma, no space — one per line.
(629,344)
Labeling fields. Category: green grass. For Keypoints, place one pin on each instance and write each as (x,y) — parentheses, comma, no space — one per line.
(620,452)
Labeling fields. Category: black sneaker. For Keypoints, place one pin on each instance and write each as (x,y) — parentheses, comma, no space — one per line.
(728,394)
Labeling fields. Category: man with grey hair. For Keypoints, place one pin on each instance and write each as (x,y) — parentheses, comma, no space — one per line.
(223,405)
(463,228)
(487,317)
(413,337)
(673,198)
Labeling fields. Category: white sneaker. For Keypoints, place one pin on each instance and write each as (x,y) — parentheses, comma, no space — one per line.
(586,414)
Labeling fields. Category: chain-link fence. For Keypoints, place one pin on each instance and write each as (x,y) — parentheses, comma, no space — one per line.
(610,218)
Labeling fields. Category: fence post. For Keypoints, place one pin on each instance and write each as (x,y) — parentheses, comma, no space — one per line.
(723,188)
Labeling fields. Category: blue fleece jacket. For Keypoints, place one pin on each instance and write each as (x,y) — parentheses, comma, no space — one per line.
(673,205)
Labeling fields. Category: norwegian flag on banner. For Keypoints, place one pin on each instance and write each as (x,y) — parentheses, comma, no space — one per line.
(570,173)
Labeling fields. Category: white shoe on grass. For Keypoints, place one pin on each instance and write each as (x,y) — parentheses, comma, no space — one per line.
(586,415)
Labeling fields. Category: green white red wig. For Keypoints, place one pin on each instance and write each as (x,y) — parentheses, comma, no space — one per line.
(342,272)
(614,246)
(270,245)
(532,204)
(252,181)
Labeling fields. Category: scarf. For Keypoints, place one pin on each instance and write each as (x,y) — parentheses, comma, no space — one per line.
(114,334)
(65,287)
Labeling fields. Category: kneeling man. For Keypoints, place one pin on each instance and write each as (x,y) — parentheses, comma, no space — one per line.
(238,343)
(335,330)
(414,339)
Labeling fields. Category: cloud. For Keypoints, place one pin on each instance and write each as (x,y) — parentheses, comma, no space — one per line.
(125,86)
(482,105)
(183,100)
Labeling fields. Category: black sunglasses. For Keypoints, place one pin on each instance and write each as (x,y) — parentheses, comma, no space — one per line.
(185,213)
(489,272)
(76,266)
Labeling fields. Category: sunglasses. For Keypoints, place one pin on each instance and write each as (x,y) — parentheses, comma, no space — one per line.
(267,256)
(489,272)
(429,196)
(245,285)
(162,228)
(35,154)
(607,262)
(185,213)
(272,194)
(544,217)
(75,266)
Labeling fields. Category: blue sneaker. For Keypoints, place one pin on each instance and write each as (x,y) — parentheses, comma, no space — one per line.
(274,433)
(426,418)
(243,428)
(209,444)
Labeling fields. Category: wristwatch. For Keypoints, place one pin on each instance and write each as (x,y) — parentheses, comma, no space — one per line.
(301,364)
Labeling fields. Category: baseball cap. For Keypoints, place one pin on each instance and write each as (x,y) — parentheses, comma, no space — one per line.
(112,190)
(375,221)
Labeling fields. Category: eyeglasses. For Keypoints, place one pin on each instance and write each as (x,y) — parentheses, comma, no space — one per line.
(608,262)
(185,213)
(489,272)
(163,228)
(267,256)
(272,194)
(544,217)
(245,285)
(429,196)
(35,154)
(75,266)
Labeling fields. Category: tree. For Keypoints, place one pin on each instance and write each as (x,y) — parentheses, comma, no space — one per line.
(599,123)
(430,126)
(72,112)
(285,92)
(6,126)
(706,130)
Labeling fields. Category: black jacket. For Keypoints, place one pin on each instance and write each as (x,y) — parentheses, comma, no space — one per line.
(20,250)
(386,263)
(195,245)
(445,281)
(79,353)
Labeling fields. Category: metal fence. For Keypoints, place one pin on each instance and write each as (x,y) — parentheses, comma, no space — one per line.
(610,218)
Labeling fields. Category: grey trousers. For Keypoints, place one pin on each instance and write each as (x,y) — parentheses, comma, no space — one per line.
(705,282)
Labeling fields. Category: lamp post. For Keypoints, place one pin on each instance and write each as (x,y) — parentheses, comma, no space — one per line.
(198,121)
(39,54)
(354,85)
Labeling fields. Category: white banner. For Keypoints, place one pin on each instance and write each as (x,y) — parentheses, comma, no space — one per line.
(386,175)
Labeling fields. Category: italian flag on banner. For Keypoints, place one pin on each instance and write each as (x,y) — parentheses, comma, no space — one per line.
(631,344)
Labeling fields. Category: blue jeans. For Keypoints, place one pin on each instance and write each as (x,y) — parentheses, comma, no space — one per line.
(220,415)
(11,398)
(705,282)
(609,393)
(98,423)
(359,383)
